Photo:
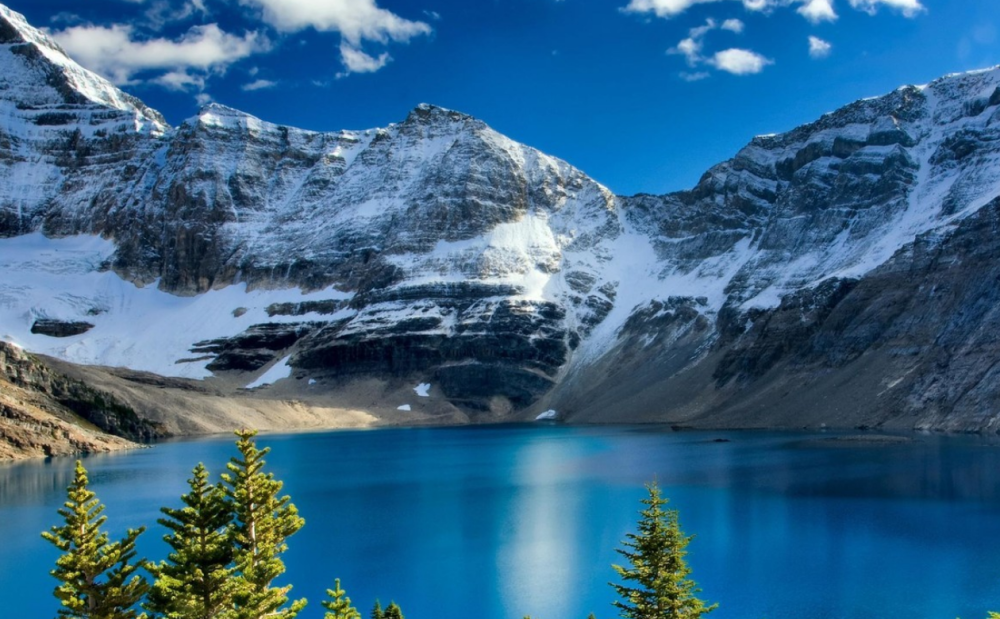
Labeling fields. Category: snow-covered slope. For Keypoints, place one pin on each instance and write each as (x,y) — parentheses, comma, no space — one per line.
(67,135)
(438,250)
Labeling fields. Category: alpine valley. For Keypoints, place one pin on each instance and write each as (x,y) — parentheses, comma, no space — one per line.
(233,272)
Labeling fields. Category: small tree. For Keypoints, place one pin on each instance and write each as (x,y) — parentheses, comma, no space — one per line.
(98,577)
(196,581)
(393,611)
(377,612)
(662,589)
(262,522)
(339,605)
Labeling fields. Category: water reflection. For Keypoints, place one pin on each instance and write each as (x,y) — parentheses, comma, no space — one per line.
(500,522)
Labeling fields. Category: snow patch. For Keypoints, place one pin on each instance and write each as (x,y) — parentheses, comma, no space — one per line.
(404,407)
(547,415)
(140,328)
(277,372)
(423,390)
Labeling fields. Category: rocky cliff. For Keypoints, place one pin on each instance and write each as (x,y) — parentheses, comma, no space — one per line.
(45,413)
(800,283)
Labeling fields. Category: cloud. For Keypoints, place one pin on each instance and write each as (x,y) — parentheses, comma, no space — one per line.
(732,25)
(690,47)
(739,61)
(181,80)
(357,21)
(817,11)
(818,48)
(735,61)
(185,62)
(356,61)
(669,8)
(694,76)
(260,84)
(909,8)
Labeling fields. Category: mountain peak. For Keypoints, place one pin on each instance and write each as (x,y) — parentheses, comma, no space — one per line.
(36,72)
(426,113)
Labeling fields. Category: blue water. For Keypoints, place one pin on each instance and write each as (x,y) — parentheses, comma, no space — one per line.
(499,522)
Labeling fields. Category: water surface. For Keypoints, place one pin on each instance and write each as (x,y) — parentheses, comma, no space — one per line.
(499,522)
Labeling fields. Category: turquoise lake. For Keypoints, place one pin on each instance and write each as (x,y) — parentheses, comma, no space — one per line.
(502,521)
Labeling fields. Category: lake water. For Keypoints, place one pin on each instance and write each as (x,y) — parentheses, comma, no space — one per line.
(499,522)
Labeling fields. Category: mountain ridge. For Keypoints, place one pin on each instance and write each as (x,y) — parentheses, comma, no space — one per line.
(438,250)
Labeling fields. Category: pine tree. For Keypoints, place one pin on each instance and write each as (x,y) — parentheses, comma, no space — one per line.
(662,588)
(99,579)
(196,581)
(377,612)
(262,522)
(393,611)
(339,605)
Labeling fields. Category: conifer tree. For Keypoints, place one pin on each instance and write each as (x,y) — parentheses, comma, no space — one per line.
(339,605)
(99,579)
(377,612)
(196,581)
(393,611)
(262,522)
(662,589)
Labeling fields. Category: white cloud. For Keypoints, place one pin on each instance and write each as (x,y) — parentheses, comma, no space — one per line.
(909,8)
(690,47)
(669,8)
(739,61)
(112,52)
(818,48)
(733,25)
(260,84)
(694,77)
(817,11)
(355,20)
(356,61)
(662,8)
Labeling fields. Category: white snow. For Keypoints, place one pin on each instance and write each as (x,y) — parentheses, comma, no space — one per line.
(140,328)
(404,407)
(312,381)
(276,372)
(547,415)
(423,390)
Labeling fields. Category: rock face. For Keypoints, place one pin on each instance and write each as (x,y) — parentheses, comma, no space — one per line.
(44,413)
(438,250)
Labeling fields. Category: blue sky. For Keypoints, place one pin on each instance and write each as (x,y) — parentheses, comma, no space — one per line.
(643,95)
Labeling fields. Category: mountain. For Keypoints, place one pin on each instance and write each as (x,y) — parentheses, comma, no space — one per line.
(836,274)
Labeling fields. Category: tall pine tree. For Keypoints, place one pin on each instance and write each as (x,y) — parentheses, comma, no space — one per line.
(393,611)
(657,584)
(196,581)
(262,521)
(98,577)
(339,605)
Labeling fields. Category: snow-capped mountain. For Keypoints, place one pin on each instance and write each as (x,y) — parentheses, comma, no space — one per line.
(840,273)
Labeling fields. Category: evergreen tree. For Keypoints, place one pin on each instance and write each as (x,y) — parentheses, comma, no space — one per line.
(262,521)
(99,579)
(662,589)
(393,611)
(196,581)
(339,605)
(377,612)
